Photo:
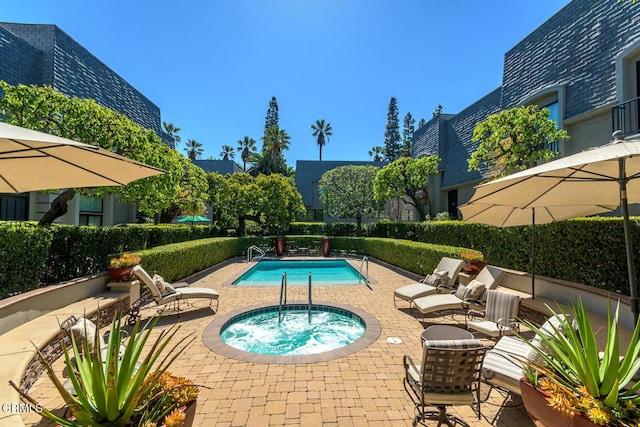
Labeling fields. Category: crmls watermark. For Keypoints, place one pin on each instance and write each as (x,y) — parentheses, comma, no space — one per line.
(20,407)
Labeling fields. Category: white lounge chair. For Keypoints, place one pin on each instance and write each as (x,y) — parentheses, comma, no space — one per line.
(464,297)
(447,266)
(168,294)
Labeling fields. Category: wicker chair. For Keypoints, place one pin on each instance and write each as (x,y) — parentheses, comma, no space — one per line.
(449,375)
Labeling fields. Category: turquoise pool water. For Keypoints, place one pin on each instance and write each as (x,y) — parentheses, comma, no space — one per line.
(324,272)
(259,331)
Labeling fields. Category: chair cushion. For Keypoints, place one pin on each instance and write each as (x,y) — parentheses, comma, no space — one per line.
(438,302)
(503,364)
(461,291)
(475,289)
(432,280)
(413,291)
(443,275)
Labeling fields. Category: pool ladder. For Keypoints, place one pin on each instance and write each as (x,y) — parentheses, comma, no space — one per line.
(251,250)
(283,296)
(365,262)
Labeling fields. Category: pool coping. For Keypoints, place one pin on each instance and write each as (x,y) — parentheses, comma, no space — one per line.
(211,338)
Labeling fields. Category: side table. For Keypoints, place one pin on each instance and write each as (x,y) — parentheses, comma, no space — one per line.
(445,332)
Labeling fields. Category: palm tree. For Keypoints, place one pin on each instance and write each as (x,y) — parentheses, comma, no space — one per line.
(265,163)
(194,149)
(246,145)
(227,152)
(320,130)
(172,131)
(377,153)
(276,140)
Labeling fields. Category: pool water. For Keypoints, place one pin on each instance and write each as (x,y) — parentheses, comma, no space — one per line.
(260,331)
(324,272)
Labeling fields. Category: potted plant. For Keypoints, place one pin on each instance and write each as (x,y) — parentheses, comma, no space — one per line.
(117,386)
(576,380)
(120,267)
(473,261)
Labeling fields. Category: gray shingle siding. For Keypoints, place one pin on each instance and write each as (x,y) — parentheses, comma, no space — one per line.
(577,48)
(74,71)
(221,166)
(20,62)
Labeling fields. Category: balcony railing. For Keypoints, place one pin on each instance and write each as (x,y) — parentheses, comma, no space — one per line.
(625,117)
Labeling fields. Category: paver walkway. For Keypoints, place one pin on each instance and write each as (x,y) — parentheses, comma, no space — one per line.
(364,388)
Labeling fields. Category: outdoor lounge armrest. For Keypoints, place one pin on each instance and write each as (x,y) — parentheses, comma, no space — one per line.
(508,324)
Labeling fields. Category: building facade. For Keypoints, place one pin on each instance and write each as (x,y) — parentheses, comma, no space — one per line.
(45,55)
(583,64)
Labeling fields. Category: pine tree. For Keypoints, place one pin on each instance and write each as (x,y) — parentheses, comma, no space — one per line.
(421,123)
(392,132)
(272,115)
(407,134)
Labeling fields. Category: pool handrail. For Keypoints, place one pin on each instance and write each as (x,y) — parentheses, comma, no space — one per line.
(259,250)
(283,294)
(365,259)
(309,297)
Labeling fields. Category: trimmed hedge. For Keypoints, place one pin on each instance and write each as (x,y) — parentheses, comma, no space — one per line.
(24,248)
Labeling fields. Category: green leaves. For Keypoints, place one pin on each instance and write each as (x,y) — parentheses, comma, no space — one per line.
(514,140)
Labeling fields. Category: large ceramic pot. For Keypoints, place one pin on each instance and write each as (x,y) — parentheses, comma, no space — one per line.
(120,273)
(535,402)
(474,267)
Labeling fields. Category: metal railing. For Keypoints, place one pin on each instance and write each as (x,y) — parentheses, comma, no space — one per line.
(251,250)
(365,261)
(309,297)
(626,117)
(283,295)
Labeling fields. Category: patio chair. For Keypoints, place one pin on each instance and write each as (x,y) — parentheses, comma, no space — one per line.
(499,317)
(167,294)
(448,375)
(464,297)
(503,365)
(443,277)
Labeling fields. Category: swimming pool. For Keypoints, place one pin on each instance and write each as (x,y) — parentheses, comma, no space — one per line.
(324,272)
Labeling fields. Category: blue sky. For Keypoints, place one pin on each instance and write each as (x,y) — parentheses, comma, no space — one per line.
(212,66)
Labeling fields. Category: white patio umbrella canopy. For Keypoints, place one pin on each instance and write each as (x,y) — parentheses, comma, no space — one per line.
(31,160)
(605,176)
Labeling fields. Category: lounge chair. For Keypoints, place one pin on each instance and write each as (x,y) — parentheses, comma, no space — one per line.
(464,297)
(168,294)
(499,317)
(503,365)
(448,375)
(444,276)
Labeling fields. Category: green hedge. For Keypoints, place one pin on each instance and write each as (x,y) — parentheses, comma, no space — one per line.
(24,248)
(179,260)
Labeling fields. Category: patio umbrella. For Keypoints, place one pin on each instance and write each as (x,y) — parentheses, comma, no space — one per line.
(31,161)
(194,218)
(508,216)
(602,176)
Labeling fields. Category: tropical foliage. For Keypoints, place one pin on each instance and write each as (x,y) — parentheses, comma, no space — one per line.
(227,152)
(514,140)
(172,131)
(114,387)
(276,140)
(347,192)
(321,130)
(377,153)
(246,146)
(193,149)
(581,379)
(407,177)
(408,127)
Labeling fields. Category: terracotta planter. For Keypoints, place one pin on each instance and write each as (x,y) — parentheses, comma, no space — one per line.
(120,273)
(279,246)
(190,413)
(326,246)
(474,267)
(535,402)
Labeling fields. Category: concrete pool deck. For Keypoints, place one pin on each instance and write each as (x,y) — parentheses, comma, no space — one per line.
(364,388)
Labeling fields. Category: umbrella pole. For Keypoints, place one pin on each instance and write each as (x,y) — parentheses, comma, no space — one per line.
(533,253)
(633,301)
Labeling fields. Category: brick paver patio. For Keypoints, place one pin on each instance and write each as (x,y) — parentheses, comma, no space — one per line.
(364,388)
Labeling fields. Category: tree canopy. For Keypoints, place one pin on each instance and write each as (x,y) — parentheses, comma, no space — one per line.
(407,177)
(321,130)
(392,132)
(347,192)
(272,201)
(43,109)
(514,140)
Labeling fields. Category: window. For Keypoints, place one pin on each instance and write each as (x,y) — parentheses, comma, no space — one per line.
(554,115)
(90,210)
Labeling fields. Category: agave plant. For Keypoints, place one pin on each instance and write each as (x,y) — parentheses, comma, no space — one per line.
(603,385)
(109,386)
